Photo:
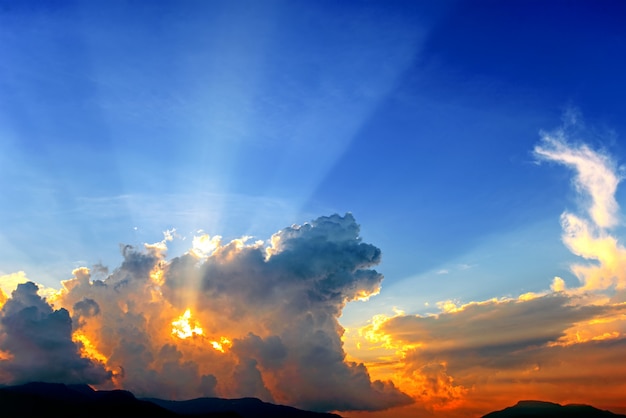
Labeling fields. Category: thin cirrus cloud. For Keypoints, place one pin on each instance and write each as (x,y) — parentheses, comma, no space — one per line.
(478,355)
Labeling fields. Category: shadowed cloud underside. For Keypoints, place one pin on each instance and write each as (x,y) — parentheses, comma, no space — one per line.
(264,322)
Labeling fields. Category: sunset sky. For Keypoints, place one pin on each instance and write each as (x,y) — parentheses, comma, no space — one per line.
(343,206)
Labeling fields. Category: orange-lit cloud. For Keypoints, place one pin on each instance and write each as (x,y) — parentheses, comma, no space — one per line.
(564,344)
(9,282)
(183,327)
(229,319)
(260,319)
(493,353)
(36,342)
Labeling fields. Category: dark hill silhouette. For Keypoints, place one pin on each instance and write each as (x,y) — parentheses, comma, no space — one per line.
(73,401)
(55,399)
(245,407)
(540,409)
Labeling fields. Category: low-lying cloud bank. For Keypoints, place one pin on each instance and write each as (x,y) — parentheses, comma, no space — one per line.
(262,322)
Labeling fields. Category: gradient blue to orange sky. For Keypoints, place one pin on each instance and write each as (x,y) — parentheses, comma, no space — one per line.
(212,191)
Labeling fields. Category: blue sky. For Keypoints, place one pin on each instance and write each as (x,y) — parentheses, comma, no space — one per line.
(120,120)
(478,144)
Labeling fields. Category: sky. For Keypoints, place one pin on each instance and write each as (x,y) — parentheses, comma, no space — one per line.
(371,207)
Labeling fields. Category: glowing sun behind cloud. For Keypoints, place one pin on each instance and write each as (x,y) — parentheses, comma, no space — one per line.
(184,327)
(252,325)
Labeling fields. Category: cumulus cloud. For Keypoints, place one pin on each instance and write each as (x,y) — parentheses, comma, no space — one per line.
(37,343)
(9,282)
(260,318)
(271,353)
(252,318)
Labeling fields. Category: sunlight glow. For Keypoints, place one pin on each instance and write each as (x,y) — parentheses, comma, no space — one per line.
(222,344)
(87,348)
(157,275)
(205,245)
(184,328)
(364,295)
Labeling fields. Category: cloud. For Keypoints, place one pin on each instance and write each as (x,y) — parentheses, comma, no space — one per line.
(562,344)
(485,327)
(86,308)
(271,353)
(9,282)
(490,332)
(582,239)
(37,343)
(596,179)
(596,175)
(482,353)
(265,320)
(265,316)
(249,382)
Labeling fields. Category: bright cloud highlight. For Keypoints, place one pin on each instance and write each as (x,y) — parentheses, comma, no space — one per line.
(471,358)
(230,320)
(260,319)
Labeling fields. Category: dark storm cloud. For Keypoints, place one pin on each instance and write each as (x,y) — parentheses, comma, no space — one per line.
(39,342)
(270,353)
(265,314)
(249,381)
(86,307)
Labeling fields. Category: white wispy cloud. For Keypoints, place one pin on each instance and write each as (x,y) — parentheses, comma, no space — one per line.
(596,174)
(480,352)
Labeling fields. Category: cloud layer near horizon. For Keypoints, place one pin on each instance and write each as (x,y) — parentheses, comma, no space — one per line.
(268,315)
(563,344)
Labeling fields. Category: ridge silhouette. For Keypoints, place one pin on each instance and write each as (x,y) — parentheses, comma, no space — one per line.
(73,401)
(542,409)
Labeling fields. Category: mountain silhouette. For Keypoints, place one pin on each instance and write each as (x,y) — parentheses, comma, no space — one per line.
(540,409)
(73,401)
(69,401)
(244,407)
